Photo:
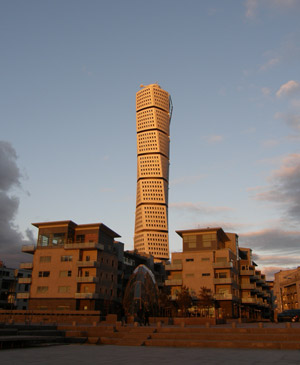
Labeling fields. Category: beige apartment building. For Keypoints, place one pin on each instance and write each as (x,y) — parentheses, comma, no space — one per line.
(210,258)
(287,289)
(153,115)
(74,267)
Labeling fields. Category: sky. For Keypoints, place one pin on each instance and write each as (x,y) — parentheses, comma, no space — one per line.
(69,72)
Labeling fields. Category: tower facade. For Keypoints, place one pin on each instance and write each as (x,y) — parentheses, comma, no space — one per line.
(153,116)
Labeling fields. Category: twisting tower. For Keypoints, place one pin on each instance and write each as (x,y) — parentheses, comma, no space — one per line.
(153,116)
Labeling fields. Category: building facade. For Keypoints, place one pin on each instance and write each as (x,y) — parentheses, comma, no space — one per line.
(153,115)
(287,289)
(74,267)
(210,259)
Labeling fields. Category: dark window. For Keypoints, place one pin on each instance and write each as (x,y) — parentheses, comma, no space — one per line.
(206,274)
(189,260)
(44,274)
(66,258)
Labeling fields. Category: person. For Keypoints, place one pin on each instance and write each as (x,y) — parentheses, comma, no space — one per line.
(123,317)
(147,314)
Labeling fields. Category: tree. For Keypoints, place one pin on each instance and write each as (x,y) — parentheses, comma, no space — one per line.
(184,300)
(205,299)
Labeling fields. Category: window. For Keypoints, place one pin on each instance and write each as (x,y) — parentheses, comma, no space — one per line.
(206,274)
(45,258)
(65,273)
(87,258)
(66,258)
(190,240)
(44,240)
(80,238)
(205,259)
(64,289)
(42,289)
(189,275)
(189,260)
(86,274)
(58,239)
(44,274)
(177,261)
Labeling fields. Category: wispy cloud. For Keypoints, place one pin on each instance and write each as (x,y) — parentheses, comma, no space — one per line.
(289,88)
(270,63)
(266,91)
(199,208)
(253,6)
(215,138)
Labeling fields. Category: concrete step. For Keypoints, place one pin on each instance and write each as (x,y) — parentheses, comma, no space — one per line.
(41,332)
(227,336)
(292,345)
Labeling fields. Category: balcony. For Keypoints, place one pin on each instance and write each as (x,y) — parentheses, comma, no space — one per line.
(28,249)
(87,279)
(223,281)
(248,286)
(84,245)
(249,272)
(249,300)
(88,263)
(87,295)
(26,265)
(24,281)
(222,265)
(173,267)
(22,295)
(173,282)
(225,296)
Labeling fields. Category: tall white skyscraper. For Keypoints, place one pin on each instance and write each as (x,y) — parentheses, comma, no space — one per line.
(153,116)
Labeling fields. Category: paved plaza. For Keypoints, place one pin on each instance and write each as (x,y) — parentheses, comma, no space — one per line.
(106,354)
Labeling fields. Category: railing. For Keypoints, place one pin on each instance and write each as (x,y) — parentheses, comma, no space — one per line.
(26,265)
(85,245)
(87,279)
(225,296)
(87,295)
(22,295)
(28,248)
(222,265)
(249,300)
(223,281)
(173,267)
(173,282)
(24,280)
(88,263)
(247,272)
(248,286)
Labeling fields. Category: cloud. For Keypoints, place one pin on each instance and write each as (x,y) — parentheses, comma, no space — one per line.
(276,241)
(270,63)
(10,237)
(253,6)
(284,187)
(270,143)
(289,88)
(214,138)
(291,120)
(198,207)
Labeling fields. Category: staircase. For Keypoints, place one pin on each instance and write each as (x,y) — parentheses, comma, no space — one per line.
(23,335)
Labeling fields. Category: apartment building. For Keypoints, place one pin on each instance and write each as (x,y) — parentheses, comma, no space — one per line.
(287,289)
(74,267)
(256,295)
(14,287)
(211,258)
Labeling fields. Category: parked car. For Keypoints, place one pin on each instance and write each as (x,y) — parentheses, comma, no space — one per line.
(290,315)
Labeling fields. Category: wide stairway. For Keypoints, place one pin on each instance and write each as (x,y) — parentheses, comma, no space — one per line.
(213,337)
(25,335)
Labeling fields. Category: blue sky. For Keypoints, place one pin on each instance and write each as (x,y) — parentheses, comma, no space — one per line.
(69,72)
